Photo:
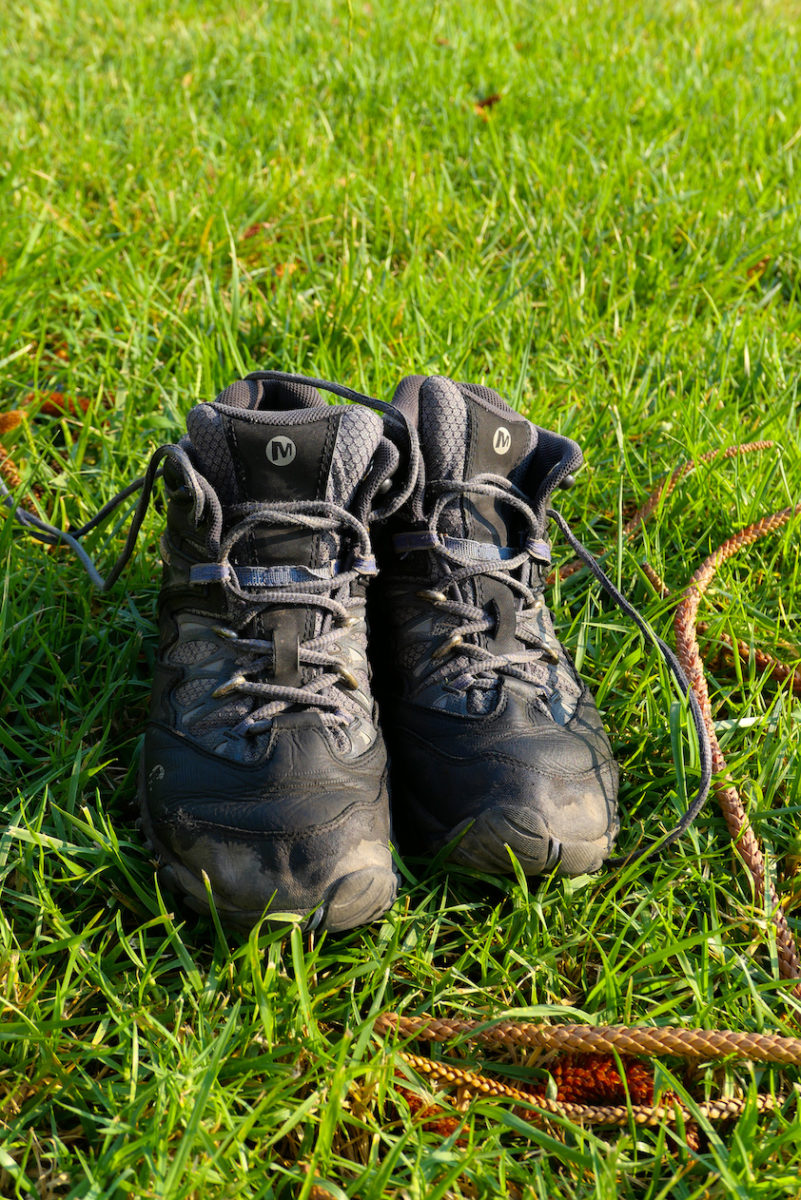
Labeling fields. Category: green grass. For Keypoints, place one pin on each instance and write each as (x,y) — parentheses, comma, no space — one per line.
(195,190)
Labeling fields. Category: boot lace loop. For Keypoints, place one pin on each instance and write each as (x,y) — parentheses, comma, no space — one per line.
(333,689)
(517,569)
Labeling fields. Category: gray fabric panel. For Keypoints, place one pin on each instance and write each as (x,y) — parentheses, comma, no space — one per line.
(443,428)
(407,393)
(279,395)
(193,690)
(191,653)
(269,395)
(212,454)
(244,393)
(224,717)
(270,416)
(486,395)
(358,437)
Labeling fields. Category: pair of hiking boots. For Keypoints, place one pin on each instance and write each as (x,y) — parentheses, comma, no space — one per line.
(307,683)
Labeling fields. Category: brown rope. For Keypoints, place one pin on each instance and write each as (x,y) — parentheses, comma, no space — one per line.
(706,1044)
(743,836)
(9,471)
(667,485)
(472,1085)
(662,490)
(764,662)
(619,1039)
(8,468)
(685,626)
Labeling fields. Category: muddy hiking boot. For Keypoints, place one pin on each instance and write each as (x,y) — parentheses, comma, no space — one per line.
(494,739)
(264,774)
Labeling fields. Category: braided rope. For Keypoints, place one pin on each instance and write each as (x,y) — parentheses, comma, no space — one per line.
(473,1085)
(764,661)
(662,490)
(743,836)
(705,1044)
(665,486)
(8,470)
(685,626)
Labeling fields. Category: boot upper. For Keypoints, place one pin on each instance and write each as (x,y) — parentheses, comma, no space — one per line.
(483,707)
(263,765)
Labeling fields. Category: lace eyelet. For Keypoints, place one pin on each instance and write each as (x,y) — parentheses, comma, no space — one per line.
(224,632)
(434,596)
(232,685)
(348,678)
(455,640)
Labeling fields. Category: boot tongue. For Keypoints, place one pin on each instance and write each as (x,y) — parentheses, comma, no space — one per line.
(467,431)
(251,451)
(279,458)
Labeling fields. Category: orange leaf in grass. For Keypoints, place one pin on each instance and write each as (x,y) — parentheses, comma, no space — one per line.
(58,404)
(10,420)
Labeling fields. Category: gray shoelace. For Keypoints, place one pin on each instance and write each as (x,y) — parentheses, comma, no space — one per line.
(494,563)
(687,692)
(202,492)
(333,690)
(256,586)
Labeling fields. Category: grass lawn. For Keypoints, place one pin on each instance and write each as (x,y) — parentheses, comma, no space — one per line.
(192,190)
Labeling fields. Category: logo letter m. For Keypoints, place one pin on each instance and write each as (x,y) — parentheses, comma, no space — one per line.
(280,451)
(502,440)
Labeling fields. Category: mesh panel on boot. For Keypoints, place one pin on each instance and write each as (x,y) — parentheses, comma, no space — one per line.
(270,394)
(194,689)
(190,653)
(244,393)
(358,436)
(224,717)
(211,452)
(443,429)
(494,399)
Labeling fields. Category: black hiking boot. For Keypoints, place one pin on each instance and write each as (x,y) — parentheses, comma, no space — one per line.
(264,777)
(493,738)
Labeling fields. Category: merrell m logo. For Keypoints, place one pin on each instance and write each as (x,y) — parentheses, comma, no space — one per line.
(502,440)
(281,451)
